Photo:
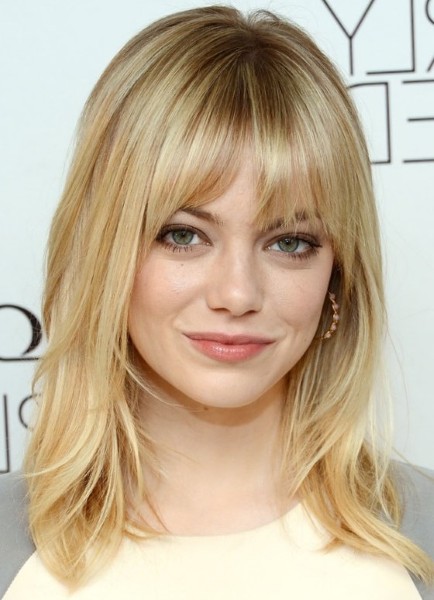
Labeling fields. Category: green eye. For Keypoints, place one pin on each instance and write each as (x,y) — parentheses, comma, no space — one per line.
(183,237)
(288,244)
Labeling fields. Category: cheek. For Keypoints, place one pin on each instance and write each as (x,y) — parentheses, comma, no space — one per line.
(299,301)
(147,311)
(159,292)
(144,306)
(146,290)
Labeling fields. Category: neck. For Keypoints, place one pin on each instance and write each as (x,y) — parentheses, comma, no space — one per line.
(219,464)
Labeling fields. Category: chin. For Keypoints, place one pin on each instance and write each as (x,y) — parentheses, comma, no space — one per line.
(231,392)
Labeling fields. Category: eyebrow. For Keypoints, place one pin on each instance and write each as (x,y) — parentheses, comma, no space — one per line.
(280,223)
(203,214)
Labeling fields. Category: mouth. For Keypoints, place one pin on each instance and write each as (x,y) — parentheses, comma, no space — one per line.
(228,348)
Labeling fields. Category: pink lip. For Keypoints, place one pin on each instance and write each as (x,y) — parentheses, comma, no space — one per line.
(228,348)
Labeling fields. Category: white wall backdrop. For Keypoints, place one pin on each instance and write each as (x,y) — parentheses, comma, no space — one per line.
(52,52)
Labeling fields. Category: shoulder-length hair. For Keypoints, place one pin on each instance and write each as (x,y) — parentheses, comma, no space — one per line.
(166,127)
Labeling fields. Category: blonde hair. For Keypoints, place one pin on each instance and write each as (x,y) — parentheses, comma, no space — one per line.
(164,128)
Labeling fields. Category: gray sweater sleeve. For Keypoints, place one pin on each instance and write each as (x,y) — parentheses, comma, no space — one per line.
(417,487)
(16,545)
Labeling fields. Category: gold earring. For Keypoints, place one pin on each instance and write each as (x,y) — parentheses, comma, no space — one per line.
(335,319)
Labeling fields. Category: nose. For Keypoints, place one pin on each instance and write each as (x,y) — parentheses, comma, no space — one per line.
(234,283)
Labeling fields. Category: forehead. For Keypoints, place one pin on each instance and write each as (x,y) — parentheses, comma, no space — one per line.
(240,202)
(249,196)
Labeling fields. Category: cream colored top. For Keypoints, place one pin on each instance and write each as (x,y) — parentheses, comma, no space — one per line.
(279,561)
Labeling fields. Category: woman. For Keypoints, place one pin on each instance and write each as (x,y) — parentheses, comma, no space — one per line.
(214,309)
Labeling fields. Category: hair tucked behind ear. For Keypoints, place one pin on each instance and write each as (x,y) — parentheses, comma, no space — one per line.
(165,128)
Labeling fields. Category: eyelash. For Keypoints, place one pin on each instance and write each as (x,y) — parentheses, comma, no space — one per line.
(178,247)
(313,249)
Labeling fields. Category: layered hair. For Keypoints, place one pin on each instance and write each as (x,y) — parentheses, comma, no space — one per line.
(166,127)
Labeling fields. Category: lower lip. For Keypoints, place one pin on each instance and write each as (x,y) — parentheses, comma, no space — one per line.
(228,352)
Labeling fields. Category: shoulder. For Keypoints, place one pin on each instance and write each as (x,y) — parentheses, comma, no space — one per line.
(16,545)
(416,486)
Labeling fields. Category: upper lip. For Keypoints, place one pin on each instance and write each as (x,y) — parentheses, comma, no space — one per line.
(229,339)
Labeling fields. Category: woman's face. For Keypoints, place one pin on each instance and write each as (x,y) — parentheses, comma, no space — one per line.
(220,310)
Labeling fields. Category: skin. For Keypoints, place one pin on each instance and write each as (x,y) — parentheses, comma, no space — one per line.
(216,271)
